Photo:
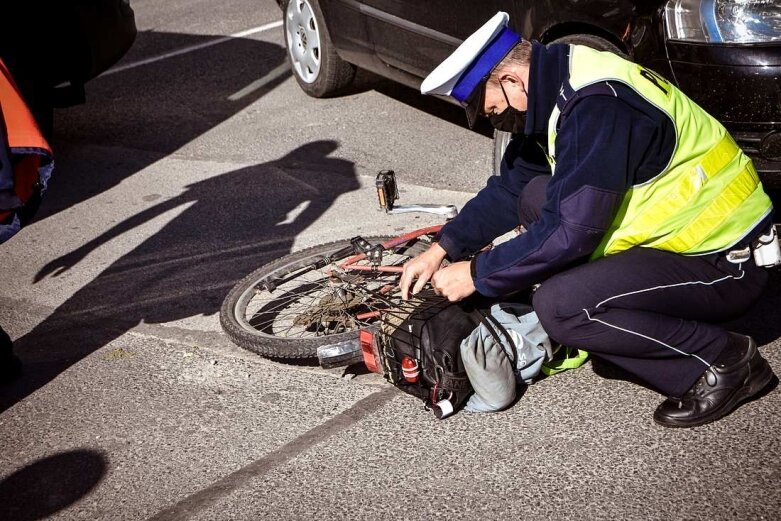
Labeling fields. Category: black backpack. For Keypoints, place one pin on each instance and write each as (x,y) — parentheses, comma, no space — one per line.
(417,349)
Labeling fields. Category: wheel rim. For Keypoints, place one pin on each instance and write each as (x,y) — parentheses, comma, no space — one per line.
(303,40)
(501,140)
(315,304)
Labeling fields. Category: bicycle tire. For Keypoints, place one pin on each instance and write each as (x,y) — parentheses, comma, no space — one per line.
(246,335)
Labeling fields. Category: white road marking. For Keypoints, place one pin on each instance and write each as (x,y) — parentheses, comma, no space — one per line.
(293,214)
(185,50)
(258,84)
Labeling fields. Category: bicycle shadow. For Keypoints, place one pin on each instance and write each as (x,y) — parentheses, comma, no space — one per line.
(227,226)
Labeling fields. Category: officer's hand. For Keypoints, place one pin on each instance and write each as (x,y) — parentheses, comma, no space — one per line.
(454,281)
(421,268)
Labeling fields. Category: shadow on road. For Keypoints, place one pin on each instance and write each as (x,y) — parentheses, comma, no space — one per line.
(222,227)
(227,226)
(439,108)
(50,484)
(153,110)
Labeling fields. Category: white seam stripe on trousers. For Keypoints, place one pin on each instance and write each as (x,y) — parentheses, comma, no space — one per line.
(698,282)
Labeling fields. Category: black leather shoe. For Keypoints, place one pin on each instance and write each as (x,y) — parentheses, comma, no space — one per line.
(738,374)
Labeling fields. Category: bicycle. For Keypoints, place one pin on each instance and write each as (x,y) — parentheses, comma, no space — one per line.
(313,303)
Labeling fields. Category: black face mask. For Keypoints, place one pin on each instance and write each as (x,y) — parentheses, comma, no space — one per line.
(510,119)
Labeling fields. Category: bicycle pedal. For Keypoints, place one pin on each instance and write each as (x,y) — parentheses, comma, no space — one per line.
(387,191)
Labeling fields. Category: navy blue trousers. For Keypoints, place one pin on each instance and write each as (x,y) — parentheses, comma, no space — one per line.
(653,313)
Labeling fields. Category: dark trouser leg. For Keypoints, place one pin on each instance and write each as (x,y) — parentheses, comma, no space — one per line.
(650,312)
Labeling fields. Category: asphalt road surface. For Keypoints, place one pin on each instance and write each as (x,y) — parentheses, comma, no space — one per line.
(194,161)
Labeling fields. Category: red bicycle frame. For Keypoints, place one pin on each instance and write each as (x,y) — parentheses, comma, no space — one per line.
(349,264)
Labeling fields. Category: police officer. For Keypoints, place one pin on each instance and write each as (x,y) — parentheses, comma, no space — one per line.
(641,217)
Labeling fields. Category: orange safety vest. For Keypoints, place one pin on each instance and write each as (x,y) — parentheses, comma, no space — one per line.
(29,154)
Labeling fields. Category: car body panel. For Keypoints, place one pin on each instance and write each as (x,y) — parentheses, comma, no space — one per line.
(52,47)
(68,41)
(738,84)
(109,29)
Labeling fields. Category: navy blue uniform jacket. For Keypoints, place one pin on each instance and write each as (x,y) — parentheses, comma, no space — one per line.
(606,144)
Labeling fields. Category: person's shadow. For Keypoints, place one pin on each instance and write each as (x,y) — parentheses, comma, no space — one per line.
(226,227)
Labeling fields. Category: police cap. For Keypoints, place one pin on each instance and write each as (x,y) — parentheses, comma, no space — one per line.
(463,74)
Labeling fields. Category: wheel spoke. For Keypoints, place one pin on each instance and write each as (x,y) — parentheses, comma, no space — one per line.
(296,51)
(308,62)
(319,303)
(312,38)
(306,13)
(314,52)
(284,302)
(291,306)
(285,332)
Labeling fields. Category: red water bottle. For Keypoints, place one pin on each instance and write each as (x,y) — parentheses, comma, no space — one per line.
(409,367)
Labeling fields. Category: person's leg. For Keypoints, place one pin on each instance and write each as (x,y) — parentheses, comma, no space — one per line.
(652,313)
(649,311)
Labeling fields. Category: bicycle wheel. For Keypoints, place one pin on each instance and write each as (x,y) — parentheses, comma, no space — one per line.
(288,308)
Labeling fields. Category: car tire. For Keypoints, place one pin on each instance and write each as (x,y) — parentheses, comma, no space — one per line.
(502,139)
(319,71)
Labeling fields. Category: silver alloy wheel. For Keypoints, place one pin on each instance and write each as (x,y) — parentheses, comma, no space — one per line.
(303,40)
(501,140)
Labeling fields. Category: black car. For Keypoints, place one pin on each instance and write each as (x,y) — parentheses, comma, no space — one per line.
(52,47)
(725,54)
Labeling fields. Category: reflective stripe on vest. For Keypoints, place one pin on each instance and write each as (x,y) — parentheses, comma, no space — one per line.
(706,199)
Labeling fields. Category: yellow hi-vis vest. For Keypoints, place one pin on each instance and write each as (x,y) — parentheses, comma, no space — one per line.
(706,199)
